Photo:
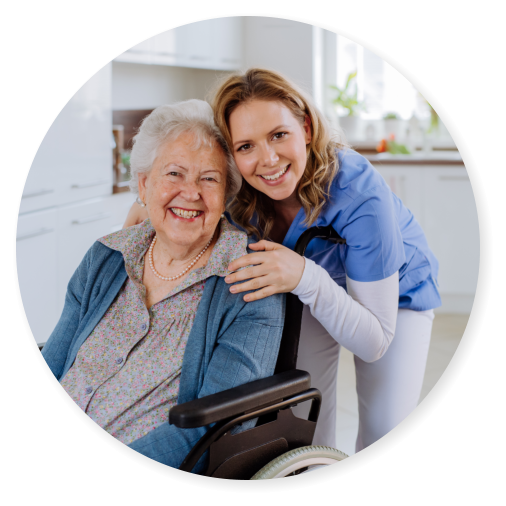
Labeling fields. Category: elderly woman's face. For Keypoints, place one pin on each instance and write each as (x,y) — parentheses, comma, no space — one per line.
(185,191)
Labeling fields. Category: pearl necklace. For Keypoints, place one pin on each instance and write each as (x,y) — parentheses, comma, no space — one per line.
(152,265)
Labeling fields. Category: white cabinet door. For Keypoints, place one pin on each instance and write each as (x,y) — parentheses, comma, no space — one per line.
(36,252)
(228,43)
(85,168)
(196,42)
(210,44)
(74,161)
(407,183)
(41,190)
(140,53)
(167,48)
(451,226)
(79,226)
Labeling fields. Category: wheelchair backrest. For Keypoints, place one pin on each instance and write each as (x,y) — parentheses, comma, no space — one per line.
(288,350)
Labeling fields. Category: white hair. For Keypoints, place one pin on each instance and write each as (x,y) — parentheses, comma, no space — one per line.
(166,123)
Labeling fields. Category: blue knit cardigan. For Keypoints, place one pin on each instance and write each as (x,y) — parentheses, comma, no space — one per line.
(231,343)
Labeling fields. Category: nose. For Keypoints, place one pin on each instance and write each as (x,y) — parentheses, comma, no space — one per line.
(190,190)
(268,156)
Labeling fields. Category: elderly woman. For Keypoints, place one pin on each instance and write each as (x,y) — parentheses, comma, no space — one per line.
(148,320)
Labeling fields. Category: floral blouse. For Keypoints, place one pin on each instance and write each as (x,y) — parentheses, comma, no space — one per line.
(126,375)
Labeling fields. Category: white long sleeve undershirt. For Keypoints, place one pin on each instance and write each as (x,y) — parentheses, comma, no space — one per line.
(362,320)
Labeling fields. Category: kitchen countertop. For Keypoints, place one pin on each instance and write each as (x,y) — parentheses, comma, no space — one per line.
(417,158)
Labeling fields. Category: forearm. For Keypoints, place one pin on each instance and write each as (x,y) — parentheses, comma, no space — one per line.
(362,320)
(136,215)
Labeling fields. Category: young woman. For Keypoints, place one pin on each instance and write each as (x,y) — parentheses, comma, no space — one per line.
(374,295)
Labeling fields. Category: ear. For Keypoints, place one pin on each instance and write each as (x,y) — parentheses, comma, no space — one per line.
(143,182)
(307,129)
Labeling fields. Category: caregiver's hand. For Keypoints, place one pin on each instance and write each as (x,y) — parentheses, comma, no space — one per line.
(274,269)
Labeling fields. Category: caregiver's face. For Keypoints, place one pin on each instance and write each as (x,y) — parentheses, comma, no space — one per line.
(185,191)
(269,146)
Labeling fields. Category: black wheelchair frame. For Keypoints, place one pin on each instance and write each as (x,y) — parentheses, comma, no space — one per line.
(278,430)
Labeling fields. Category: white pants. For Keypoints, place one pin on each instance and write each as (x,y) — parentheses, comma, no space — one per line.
(388,389)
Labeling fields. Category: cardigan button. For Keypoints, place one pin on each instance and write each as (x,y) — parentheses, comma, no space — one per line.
(88,390)
(119,360)
(144,326)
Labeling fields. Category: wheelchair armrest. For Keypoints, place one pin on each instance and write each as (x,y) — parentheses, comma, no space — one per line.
(239,400)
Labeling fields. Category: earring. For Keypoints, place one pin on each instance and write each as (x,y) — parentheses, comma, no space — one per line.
(140,202)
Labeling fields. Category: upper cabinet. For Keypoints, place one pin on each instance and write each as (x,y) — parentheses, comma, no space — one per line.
(75,158)
(211,44)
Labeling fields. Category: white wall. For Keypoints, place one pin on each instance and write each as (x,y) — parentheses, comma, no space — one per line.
(281,45)
(137,86)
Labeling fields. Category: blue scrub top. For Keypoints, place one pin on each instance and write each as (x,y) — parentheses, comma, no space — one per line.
(382,236)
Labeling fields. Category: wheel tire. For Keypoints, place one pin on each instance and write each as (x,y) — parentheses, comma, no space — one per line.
(298,459)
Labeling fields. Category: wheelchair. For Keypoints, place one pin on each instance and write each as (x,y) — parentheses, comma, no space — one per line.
(279,445)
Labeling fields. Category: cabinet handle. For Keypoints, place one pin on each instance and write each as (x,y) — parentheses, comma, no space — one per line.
(78,186)
(41,231)
(199,58)
(230,60)
(89,219)
(37,193)
(453,178)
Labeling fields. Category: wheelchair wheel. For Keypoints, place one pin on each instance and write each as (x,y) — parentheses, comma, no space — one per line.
(298,460)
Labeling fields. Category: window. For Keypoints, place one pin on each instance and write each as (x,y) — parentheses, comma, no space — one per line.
(382,88)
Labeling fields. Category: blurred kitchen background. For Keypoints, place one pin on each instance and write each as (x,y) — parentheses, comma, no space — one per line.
(77,189)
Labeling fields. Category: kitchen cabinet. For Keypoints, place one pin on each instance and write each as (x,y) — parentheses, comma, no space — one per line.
(41,189)
(74,161)
(67,202)
(228,44)
(79,226)
(210,44)
(51,243)
(442,201)
(166,48)
(36,256)
(451,225)
(140,53)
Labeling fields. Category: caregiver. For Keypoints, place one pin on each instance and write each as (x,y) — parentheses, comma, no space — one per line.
(374,295)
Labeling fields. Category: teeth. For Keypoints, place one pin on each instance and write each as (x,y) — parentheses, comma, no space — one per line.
(277,175)
(185,214)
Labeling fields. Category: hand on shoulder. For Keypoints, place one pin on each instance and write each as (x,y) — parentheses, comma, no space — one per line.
(273,268)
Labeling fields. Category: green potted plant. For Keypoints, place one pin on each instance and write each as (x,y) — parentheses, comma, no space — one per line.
(348,106)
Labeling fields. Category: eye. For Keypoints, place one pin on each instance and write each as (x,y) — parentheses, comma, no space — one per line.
(173,173)
(209,178)
(244,147)
(280,135)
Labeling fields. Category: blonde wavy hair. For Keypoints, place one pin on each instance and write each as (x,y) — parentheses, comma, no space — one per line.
(322,164)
